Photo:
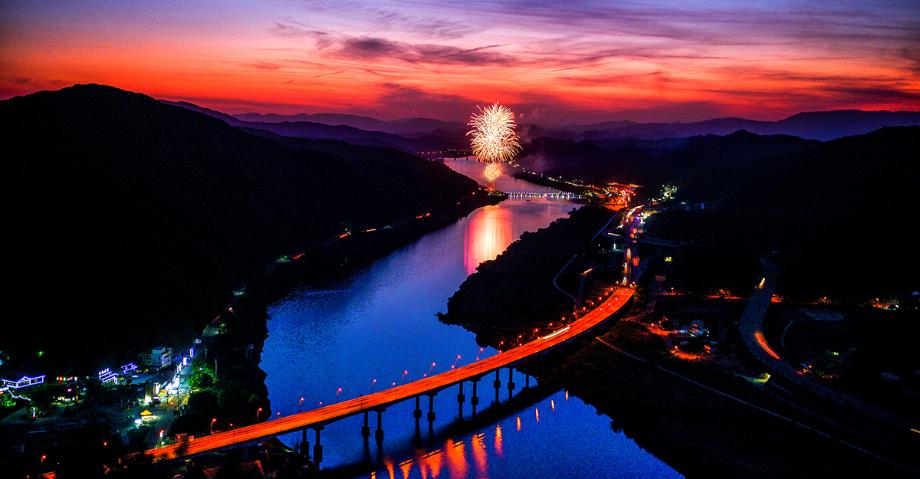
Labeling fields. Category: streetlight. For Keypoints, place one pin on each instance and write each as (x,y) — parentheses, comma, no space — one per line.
(258,413)
(373,383)
(337,392)
(213,421)
(299,404)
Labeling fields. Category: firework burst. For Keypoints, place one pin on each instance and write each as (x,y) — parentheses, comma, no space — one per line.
(493,137)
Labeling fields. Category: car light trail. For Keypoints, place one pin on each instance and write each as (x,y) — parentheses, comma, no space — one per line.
(766,347)
(555,333)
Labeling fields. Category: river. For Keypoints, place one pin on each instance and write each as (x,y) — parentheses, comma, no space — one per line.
(377,327)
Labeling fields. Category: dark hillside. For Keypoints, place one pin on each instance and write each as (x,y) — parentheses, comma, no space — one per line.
(842,215)
(129,220)
(651,162)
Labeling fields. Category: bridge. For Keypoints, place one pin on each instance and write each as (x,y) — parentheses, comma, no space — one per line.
(377,402)
(554,194)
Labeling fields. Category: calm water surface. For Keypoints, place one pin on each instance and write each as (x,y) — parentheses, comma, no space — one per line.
(377,327)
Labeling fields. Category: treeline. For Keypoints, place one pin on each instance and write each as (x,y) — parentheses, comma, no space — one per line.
(514,293)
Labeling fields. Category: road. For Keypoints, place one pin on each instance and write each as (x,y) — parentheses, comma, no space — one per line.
(751,329)
(768,412)
(380,400)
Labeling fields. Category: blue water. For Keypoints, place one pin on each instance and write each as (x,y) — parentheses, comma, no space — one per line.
(377,327)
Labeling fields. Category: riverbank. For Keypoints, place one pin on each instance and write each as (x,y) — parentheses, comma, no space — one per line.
(234,340)
(698,419)
(502,300)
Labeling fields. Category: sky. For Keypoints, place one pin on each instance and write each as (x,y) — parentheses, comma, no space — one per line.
(556,62)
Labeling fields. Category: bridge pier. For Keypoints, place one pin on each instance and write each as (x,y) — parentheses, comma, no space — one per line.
(365,429)
(318,448)
(498,384)
(378,434)
(474,401)
(430,408)
(510,383)
(460,399)
(304,444)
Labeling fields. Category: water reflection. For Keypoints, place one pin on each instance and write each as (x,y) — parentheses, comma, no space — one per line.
(378,324)
(487,234)
(579,449)
(479,454)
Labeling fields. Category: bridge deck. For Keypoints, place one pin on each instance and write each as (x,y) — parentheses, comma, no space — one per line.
(382,399)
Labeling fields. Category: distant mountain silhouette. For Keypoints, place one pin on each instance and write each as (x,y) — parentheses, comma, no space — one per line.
(294,126)
(406,126)
(128,220)
(423,134)
(822,125)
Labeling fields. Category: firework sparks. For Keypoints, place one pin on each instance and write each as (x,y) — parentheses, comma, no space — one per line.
(493,137)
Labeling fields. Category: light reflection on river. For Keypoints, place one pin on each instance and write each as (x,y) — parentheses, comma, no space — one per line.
(378,327)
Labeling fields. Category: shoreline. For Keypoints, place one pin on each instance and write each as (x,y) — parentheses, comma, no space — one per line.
(243,325)
(691,424)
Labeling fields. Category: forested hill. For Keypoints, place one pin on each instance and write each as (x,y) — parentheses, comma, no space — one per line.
(842,215)
(129,220)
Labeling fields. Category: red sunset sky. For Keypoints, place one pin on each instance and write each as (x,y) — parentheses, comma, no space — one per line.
(567,61)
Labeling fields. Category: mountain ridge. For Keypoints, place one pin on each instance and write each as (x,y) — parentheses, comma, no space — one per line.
(130,214)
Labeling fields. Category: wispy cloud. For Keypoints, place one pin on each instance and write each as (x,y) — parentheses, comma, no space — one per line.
(574,59)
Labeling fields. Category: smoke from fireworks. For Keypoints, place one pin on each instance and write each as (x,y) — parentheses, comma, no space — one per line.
(492,137)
